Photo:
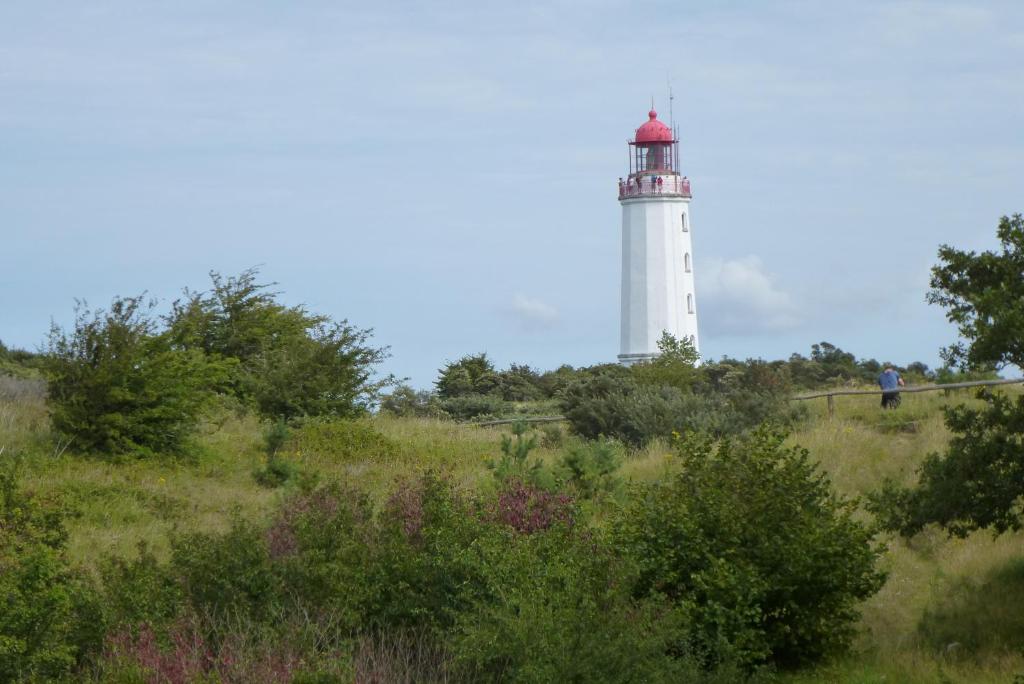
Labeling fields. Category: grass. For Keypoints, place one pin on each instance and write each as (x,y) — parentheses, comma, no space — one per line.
(949,611)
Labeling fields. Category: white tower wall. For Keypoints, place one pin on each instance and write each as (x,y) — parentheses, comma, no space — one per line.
(657,275)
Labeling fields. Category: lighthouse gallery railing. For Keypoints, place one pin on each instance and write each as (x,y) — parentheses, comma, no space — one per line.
(647,187)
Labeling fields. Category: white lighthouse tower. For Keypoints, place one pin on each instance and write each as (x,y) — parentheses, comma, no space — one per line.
(657,255)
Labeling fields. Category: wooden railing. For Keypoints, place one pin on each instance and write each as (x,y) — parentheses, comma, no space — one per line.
(831,394)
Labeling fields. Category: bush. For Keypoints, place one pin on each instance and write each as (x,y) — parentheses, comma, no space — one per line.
(405,402)
(472,374)
(976,483)
(226,574)
(751,537)
(619,407)
(290,363)
(473,407)
(118,387)
(590,469)
(727,398)
(48,624)
(564,615)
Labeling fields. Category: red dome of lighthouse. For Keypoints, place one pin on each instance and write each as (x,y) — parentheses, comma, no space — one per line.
(653,131)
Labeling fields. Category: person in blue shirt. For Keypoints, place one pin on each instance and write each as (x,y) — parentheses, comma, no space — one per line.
(890,381)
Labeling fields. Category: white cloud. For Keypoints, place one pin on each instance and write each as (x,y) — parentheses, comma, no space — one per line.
(738,296)
(534,314)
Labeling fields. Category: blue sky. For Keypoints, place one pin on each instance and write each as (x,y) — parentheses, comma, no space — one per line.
(445,172)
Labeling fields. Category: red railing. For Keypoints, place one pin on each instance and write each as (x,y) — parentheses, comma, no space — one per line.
(650,186)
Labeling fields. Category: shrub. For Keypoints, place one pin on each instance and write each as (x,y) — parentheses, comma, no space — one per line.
(405,402)
(976,483)
(610,406)
(590,469)
(472,374)
(139,591)
(473,406)
(782,589)
(675,365)
(515,453)
(228,574)
(728,398)
(561,612)
(117,386)
(551,436)
(275,472)
(290,363)
(48,623)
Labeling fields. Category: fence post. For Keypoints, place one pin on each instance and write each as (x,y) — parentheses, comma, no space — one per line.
(831,406)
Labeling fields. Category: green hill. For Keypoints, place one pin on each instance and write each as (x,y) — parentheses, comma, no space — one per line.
(949,610)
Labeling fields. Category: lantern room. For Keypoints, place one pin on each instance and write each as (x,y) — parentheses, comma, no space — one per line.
(653,149)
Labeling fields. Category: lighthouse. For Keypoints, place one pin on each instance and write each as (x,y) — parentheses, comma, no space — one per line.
(657,254)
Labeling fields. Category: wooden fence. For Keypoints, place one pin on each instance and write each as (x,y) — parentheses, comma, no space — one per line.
(831,394)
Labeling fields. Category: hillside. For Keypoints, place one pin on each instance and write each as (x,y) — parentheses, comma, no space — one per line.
(943,614)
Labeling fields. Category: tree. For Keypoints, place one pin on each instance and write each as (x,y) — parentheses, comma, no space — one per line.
(472,374)
(983,295)
(327,372)
(290,362)
(118,385)
(675,366)
(978,481)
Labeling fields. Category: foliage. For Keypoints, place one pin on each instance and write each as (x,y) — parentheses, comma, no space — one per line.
(472,374)
(975,484)
(474,407)
(47,625)
(979,480)
(590,469)
(675,366)
(117,386)
(226,574)
(275,472)
(616,406)
(565,616)
(290,363)
(983,295)
(405,402)
(19,362)
(520,383)
(515,452)
(784,589)
(327,372)
(727,398)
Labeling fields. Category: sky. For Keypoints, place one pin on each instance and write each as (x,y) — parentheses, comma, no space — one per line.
(445,173)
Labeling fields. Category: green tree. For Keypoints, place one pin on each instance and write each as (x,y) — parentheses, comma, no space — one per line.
(979,480)
(983,295)
(472,374)
(290,362)
(117,385)
(675,366)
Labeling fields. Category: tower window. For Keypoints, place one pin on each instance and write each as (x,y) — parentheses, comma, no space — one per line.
(686,262)
(686,228)
(689,303)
